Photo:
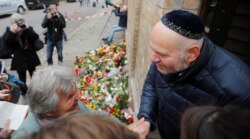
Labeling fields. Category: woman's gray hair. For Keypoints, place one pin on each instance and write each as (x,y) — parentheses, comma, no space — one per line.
(14,18)
(45,87)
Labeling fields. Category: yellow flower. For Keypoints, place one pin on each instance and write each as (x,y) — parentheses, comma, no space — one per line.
(95,87)
(91,106)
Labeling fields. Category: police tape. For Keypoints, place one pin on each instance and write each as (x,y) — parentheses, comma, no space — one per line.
(77,18)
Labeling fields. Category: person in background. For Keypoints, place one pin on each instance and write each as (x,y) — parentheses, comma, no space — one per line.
(10,87)
(88,2)
(187,70)
(20,37)
(212,122)
(106,3)
(84,2)
(84,126)
(7,77)
(122,25)
(80,1)
(52,93)
(54,22)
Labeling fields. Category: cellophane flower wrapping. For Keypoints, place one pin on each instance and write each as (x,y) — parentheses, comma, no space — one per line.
(102,84)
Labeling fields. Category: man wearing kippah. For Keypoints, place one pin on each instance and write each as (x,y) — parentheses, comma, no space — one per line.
(187,69)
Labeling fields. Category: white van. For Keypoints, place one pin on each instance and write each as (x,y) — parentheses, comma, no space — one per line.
(12,6)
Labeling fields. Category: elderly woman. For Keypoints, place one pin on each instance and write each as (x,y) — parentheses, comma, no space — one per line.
(20,38)
(52,94)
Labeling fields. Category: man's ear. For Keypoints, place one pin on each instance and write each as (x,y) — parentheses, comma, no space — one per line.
(192,53)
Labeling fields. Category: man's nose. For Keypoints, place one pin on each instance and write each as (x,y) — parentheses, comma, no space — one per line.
(154,57)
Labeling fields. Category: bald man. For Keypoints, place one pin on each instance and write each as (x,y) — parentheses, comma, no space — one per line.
(187,69)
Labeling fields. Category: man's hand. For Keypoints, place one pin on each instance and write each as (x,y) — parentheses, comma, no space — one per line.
(5,132)
(141,127)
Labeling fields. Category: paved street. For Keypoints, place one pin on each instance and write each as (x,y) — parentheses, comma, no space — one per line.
(77,18)
(35,17)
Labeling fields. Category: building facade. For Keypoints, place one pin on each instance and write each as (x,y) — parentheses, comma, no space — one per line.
(227,24)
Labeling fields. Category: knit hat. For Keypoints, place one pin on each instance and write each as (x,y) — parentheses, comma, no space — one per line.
(184,23)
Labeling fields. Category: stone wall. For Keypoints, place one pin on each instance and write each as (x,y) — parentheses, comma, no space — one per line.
(142,15)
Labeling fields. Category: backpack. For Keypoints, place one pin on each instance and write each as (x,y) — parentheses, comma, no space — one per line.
(5,51)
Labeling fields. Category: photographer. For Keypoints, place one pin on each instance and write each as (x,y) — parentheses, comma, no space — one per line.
(122,25)
(54,22)
(20,38)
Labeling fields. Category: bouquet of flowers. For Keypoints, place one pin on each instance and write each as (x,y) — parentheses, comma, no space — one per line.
(101,84)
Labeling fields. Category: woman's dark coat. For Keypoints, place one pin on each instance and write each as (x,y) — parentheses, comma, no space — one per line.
(22,45)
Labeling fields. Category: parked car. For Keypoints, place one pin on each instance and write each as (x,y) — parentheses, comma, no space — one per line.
(71,0)
(34,4)
(12,6)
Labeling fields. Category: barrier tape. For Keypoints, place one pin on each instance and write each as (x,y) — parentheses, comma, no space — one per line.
(85,17)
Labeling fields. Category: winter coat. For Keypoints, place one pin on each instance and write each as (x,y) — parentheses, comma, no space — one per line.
(123,17)
(22,45)
(55,27)
(217,77)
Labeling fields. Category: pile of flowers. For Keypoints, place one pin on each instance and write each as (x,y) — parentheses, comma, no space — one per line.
(102,84)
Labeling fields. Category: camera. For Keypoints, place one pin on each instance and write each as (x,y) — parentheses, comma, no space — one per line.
(21,25)
(54,15)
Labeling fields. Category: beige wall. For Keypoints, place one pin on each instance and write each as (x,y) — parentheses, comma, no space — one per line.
(142,15)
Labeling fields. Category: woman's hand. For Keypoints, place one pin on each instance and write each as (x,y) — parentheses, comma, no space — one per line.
(3,77)
(14,28)
(5,132)
(3,94)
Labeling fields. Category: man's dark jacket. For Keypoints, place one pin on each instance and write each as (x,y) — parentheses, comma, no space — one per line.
(55,27)
(123,17)
(217,77)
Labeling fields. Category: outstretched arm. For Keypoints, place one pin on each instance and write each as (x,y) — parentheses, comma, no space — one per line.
(148,98)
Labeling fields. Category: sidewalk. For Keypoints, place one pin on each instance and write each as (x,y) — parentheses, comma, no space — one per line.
(88,36)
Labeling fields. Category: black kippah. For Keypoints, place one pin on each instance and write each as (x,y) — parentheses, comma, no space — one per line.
(184,23)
